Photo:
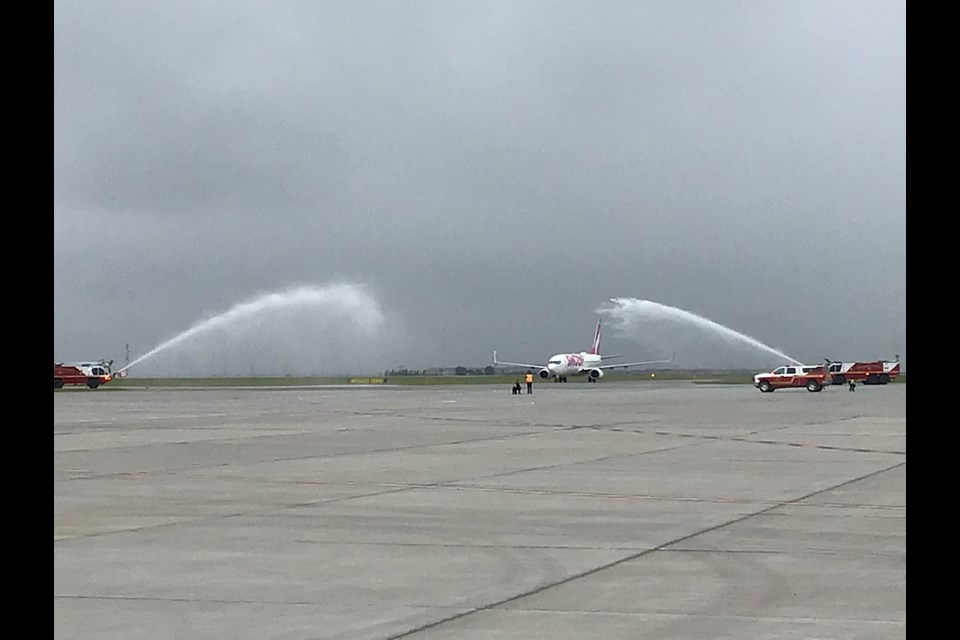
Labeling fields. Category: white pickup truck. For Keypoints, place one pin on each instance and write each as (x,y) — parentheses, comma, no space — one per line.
(813,377)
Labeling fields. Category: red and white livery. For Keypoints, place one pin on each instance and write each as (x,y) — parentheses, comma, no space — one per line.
(876,372)
(91,374)
(811,377)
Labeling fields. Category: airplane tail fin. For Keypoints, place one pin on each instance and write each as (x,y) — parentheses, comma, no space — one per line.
(595,349)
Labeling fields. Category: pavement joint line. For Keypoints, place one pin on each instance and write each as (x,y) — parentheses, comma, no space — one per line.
(662,547)
(338,499)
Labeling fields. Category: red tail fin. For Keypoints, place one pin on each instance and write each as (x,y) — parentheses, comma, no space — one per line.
(595,349)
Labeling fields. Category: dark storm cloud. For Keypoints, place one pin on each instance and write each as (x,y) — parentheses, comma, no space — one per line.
(495,171)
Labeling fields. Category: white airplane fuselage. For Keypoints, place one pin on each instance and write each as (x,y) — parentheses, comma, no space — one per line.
(570,364)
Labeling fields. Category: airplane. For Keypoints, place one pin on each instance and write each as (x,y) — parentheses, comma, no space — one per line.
(589,362)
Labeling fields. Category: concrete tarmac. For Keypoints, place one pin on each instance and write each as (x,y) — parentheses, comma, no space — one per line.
(661,510)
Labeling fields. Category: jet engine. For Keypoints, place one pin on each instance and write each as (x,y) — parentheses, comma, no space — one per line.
(595,374)
(544,373)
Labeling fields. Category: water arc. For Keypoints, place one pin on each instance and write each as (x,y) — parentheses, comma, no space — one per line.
(350,299)
(630,311)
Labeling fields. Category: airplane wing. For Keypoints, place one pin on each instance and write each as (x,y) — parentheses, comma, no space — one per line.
(516,364)
(633,364)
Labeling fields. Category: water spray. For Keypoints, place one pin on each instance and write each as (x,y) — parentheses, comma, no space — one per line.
(631,310)
(350,298)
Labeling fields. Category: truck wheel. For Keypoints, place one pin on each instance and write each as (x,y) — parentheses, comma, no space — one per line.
(838,379)
(813,386)
(765,387)
(93,383)
(884,378)
(57,383)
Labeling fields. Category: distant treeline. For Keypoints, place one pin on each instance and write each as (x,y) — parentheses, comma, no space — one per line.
(454,371)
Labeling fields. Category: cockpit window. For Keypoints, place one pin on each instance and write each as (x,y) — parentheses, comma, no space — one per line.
(554,362)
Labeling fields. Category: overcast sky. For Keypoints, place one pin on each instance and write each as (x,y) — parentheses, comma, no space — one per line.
(491,173)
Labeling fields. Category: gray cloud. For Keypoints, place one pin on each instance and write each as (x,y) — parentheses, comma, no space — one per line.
(494,172)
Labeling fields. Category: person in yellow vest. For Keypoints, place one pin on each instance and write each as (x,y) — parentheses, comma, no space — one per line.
(529,379)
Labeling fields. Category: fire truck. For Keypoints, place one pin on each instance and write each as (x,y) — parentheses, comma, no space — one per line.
(876,372)
(812,377)
(91,374)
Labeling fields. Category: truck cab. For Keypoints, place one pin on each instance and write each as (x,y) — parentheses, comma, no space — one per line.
(812,377)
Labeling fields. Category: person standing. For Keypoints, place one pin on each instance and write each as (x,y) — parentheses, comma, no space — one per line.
(529,379)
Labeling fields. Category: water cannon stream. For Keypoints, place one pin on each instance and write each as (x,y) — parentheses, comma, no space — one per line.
(630,311)
(349,298)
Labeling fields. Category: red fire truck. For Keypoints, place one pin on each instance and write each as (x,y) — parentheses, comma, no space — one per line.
(876,372)
(92,374)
